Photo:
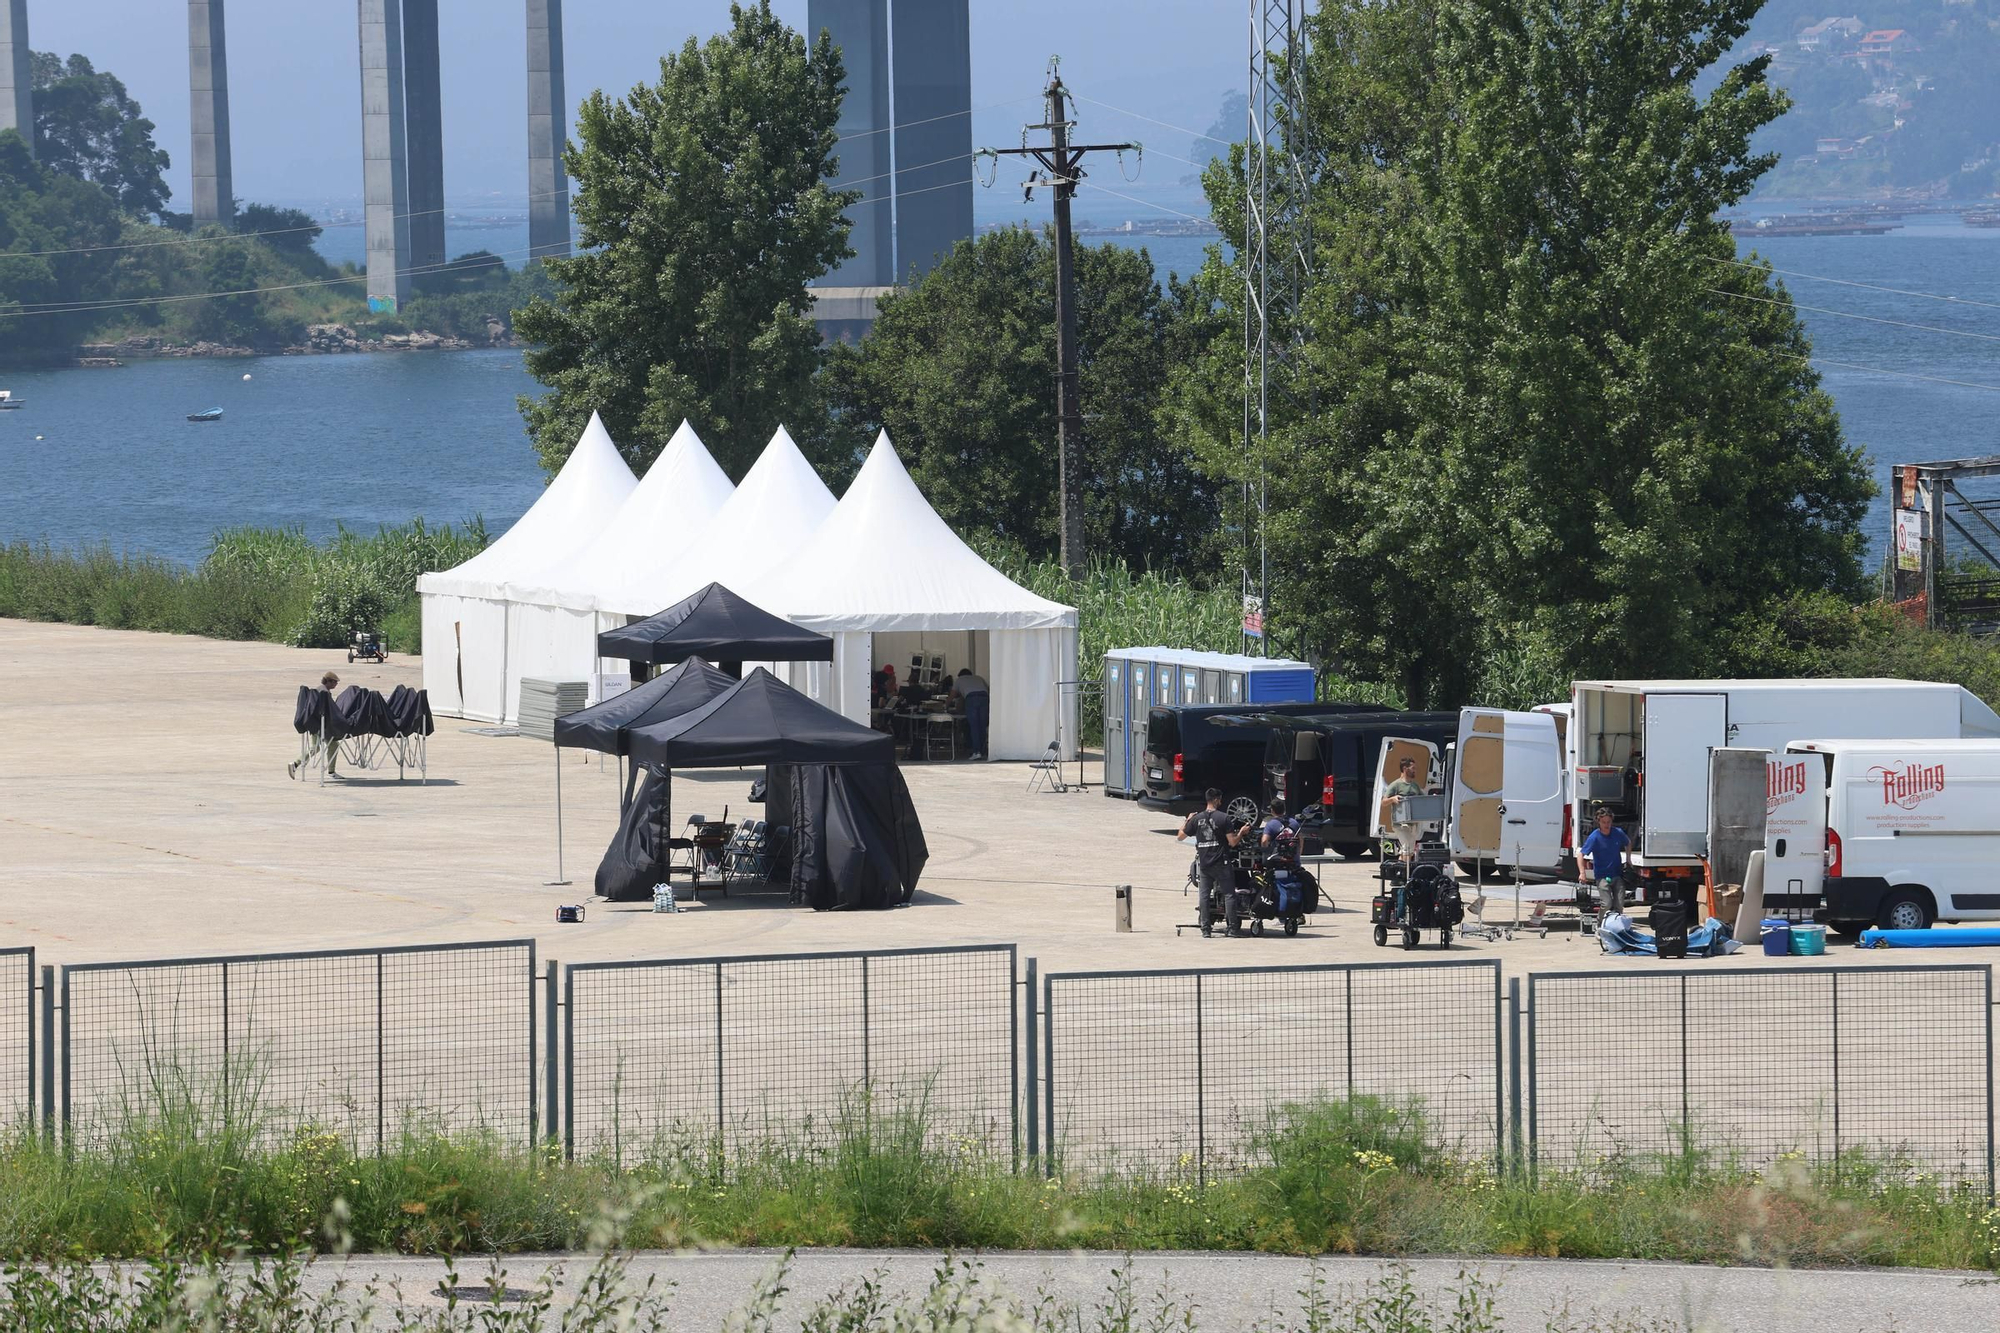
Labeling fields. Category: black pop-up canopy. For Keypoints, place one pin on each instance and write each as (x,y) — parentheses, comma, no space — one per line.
(717,625)
(858,843)
(607,727)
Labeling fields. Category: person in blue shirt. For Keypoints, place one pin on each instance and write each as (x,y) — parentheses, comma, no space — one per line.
(1603,859)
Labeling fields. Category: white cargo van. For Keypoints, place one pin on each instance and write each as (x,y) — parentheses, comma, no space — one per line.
(1507,802)
(1890,833)
(1641,747)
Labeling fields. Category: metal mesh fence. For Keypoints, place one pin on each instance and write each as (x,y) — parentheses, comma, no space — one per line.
(1180,1071)
(670,1054)
(1891,1061)
(17,1036)
(364,1044)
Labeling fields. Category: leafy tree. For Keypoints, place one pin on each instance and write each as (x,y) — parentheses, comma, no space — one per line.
(87,127)
(703,211)
(291,231)
(50,226)
(960,370)
(230,316)
(1552,426)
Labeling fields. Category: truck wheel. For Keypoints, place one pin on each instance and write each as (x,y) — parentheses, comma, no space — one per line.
(1242,807)
(1905,909)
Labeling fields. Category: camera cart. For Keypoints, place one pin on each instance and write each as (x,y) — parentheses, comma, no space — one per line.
(1427,899)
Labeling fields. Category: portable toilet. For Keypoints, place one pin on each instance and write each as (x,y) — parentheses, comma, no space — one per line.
(1137,680)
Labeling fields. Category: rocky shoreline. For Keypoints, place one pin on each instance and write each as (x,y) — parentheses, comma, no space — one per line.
(321,340)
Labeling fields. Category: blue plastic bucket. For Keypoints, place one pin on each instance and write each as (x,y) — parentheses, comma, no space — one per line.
(1808,941)
(1777,937)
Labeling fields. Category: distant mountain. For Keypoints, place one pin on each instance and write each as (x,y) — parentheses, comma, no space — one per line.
(1900,98)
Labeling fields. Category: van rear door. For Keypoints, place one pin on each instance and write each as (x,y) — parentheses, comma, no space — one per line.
(1395,749)
(1673,803)
(1506,798)
(1794,833)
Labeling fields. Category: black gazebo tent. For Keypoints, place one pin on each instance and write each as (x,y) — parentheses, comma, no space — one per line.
(718,625)
(605,727)
(857,820)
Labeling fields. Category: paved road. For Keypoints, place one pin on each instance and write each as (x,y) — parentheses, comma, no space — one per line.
(1236,1291)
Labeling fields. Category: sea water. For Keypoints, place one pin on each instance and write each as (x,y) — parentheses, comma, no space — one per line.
(318,441)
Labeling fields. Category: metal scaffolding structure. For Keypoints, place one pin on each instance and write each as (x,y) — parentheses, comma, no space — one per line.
(1277,250)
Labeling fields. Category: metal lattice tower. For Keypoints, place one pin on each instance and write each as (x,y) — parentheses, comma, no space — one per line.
(1277,244)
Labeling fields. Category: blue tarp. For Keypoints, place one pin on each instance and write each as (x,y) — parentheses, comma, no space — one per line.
(1965,938)
(1620,937)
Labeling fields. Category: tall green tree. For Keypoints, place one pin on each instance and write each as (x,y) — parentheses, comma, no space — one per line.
(703,212)
(87,126)
(960,370)
(1554,427)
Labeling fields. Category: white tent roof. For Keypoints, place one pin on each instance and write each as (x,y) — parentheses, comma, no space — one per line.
(681,492)
(779,506)
(593,484)
(884,560)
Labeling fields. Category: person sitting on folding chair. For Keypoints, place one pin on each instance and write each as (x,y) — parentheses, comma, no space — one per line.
(320,745)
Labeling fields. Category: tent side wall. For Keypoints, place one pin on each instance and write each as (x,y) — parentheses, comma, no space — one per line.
(465,640)
(1026,670)
(548,643)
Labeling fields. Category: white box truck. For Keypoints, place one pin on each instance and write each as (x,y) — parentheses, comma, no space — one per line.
(1641,747)
(1890,833)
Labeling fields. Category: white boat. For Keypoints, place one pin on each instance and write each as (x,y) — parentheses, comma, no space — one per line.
(8,400)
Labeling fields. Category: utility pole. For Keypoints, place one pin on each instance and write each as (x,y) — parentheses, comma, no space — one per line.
(1062,161)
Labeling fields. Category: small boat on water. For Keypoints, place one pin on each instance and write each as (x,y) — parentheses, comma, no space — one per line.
(213,414)
(8,402)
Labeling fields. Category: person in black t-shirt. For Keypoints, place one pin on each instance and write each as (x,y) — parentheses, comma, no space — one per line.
(1214,834)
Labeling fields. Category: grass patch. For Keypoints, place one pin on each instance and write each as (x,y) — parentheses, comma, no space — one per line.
(1359,1177)
(270,584)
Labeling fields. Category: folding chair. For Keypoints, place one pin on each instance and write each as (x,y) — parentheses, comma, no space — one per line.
(946,723)
(1046,772)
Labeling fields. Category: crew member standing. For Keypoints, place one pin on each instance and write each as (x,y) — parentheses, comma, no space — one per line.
(978,711)
(1603,859)
(1406,831)
(1214,834)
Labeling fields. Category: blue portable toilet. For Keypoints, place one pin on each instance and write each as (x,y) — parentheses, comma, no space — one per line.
(1137,680)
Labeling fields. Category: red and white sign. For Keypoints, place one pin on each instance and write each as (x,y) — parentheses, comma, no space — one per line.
(1910,785)
(1253,616)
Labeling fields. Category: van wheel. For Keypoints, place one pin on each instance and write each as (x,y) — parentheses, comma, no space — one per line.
(1242,807)
(1905,909)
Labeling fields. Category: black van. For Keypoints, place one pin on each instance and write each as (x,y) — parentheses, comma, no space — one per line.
(1301,754)
(1192,747)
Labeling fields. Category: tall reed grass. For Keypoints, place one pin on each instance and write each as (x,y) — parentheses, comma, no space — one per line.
(271,584)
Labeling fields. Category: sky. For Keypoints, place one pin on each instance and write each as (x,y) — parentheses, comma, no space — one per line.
(294,73)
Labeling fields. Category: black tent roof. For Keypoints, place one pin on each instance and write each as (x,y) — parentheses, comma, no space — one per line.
(605,727)
(718,625)
(760,720)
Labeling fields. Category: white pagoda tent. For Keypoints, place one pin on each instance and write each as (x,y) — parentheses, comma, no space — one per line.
(890,581)
(553,615)
(466,609)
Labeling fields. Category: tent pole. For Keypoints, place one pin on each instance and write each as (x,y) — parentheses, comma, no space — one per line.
(558,880)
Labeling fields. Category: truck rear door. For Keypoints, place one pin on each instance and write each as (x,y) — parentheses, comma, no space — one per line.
(1673,804)
(1794,834)
(1507,793)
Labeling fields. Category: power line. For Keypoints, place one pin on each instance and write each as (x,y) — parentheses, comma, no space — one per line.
(1163,124)
(1848,314)
(1872,370)
(1144,203)
(1850,282)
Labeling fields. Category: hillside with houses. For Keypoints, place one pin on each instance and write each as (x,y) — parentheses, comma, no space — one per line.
(1899,100)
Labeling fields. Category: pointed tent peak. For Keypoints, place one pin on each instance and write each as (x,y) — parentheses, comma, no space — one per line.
(595,460)
(682,440)
(687,470)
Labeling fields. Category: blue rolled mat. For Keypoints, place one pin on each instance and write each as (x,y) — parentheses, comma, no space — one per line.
(1965,938)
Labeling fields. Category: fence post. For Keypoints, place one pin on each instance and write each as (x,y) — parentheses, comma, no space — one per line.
(1030,1054)
(49,1052)
(381,1054)
(1687,1121)
(1200,1093)
(719,1043)
(552,1059)
(1836,1072)
(1049,1077)
(67,1110)
(1514,1072)
(534,1103)
(228,1091)
(1990,1183)
(1532,1017)
(866,1089)
(569,1064)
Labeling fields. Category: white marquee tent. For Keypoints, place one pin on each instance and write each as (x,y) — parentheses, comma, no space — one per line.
(889,579)
(553,614)
(465,609)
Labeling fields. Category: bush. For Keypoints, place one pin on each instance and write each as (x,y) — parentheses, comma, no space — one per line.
(271,584)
